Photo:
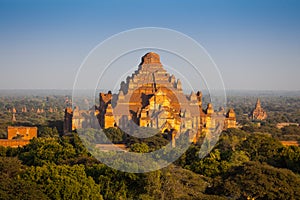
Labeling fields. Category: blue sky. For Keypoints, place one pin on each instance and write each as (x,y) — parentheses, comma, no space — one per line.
(255,44)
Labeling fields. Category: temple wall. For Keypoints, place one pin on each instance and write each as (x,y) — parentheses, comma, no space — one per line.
(27,133)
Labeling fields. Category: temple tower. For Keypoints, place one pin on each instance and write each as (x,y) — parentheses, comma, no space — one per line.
(258,112)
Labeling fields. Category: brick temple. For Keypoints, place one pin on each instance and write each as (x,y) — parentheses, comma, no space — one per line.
(151,97)
(258,113)
(18,136)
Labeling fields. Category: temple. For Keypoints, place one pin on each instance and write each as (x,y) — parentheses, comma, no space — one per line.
(18,136)
(151,97)
(258,112)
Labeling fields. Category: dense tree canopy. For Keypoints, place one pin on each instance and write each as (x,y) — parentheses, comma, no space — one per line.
(63,181)
(257,181)
(241,165)
(245,163)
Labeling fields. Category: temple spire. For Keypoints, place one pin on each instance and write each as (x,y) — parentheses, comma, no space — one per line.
(151,58)
(13,119)
(258,112)
(258,105)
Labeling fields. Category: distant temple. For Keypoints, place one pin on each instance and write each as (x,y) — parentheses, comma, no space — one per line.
(18,136)
(258,113)
(151,97)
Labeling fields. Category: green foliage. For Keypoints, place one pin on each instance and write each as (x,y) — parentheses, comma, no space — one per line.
(12,152)
(174,182)
(139,147)
(235,147)
(15,189)
(211,165)
(288,157)
(261,147)
(115,135)
(155,142)
(76,142)
(48,132)
(41,151)
(54,150)
(2,151)
(9,167)
(55,171)
(152,184)
(291,130)
(63,181)
(190,156)
(257,181)
(3,134)
(237,158)
(239,146)
(57,166)
(12,187)
(114,184)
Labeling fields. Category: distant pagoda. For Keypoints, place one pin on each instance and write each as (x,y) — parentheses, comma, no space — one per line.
(258,113)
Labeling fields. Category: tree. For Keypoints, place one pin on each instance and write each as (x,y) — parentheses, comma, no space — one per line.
(257,181)
(173,182)
(260,147)
(12,186)
(139,148)
(291,130)
(63,182)
(48,132)
(115,184)
(115,135)
(212,165)
(41,151)
(152,184)
(76,142)
(288,157)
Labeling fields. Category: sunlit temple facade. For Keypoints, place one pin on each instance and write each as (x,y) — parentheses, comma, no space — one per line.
(151,97)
